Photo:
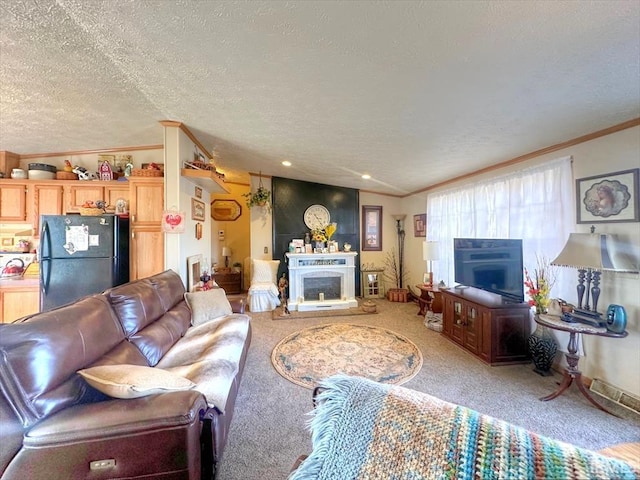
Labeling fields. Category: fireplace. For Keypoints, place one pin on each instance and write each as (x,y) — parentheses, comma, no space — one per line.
(321,281)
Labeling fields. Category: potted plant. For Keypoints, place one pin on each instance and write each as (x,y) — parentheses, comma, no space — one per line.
(260,198)
(237,266)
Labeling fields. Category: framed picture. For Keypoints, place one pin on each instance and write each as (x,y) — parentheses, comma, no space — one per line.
(225,210)
(420,225)
(608,198)
(198,192)
(197,210)
(371,228)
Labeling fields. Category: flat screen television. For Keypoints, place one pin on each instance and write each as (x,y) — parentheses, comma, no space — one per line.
(491,264)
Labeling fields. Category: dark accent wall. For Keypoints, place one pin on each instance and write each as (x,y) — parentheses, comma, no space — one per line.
(290,200)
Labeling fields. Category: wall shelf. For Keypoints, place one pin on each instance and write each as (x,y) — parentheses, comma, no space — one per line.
(206,179)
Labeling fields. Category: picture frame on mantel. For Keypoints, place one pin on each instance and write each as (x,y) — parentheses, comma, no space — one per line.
(372,228)
(608,198)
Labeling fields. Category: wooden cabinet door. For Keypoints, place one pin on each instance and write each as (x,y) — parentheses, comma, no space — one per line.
(146,250)
(13,201)
(17,303)
(447,317)
(146,201)
(44,199)
(113,193)
(472,328)
(457,328)
(84,191)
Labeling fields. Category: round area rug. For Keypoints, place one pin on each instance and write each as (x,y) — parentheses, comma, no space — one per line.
(312,354)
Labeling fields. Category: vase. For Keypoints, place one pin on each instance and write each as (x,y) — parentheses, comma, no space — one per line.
(543,348)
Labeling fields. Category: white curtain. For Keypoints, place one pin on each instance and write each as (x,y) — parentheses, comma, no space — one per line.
(536,205)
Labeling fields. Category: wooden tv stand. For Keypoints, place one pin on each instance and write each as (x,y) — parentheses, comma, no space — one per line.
(486,325)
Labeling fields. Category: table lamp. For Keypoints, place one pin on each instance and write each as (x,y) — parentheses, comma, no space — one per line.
(430,252)
(592,253)
(226,253)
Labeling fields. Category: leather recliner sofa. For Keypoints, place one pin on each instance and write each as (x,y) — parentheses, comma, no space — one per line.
(55,425)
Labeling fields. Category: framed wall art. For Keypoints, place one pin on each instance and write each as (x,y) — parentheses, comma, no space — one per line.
(420,225)
(608,198)
(371,228)
(197,210)
(225,210)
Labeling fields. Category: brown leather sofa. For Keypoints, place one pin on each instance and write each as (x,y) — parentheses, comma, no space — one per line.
(54,425)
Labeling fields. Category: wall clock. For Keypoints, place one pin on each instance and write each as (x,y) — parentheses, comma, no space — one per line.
(316,217)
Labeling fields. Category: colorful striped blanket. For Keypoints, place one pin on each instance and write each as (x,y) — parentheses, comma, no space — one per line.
(366,430)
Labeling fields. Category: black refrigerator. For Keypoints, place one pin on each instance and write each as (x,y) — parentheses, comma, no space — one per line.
(81,255)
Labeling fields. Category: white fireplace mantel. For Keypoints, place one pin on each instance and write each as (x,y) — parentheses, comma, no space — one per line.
(306,266)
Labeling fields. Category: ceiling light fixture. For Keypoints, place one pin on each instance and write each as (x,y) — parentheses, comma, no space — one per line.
(286,163)
(366,176)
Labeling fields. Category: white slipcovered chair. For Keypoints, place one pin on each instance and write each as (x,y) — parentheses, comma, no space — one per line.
(263,291)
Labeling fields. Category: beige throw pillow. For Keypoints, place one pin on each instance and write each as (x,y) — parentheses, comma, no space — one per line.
(207,305)
(264,271)
(133,381)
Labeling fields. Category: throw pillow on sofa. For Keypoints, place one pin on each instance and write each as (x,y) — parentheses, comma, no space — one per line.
(207,305)
(133,381)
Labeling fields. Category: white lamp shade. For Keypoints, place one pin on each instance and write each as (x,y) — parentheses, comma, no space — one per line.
(430,251)
(596,251)
(226,252)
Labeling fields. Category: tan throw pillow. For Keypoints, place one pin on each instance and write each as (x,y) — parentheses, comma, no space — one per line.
(264,271)
(207,305)
(133,381)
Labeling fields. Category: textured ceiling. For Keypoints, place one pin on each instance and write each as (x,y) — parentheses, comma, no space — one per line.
(413,93)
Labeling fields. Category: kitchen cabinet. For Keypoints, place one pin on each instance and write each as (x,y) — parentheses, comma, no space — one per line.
(146,247)
(487,326)
(44,199)
(13,201)
(80,192)
(18,298)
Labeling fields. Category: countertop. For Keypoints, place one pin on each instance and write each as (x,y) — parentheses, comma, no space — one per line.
(7,283)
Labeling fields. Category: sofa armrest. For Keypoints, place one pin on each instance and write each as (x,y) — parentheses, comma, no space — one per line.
(237,305)
(117,437)
(94,421)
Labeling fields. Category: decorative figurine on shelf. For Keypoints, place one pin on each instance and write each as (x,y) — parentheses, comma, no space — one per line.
(282,287)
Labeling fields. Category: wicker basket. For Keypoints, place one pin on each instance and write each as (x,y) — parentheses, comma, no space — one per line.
(146,172)
(91,211)
(66,176)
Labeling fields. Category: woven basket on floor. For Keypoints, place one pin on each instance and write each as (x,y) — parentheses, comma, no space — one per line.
(146,172)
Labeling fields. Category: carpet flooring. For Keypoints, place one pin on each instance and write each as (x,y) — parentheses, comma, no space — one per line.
(270,431)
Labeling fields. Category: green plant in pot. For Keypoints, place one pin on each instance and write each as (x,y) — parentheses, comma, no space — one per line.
(237,266)
(260,198)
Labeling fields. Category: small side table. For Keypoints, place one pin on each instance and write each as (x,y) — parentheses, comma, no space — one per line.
(429,302)
(230,281)
(571,372)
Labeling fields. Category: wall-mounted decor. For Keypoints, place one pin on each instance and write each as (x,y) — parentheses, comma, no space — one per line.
(198,231)
(608,198)
(225,210)
(371,228)
(420,225)
(197,210)
(173,221)
(198,192)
